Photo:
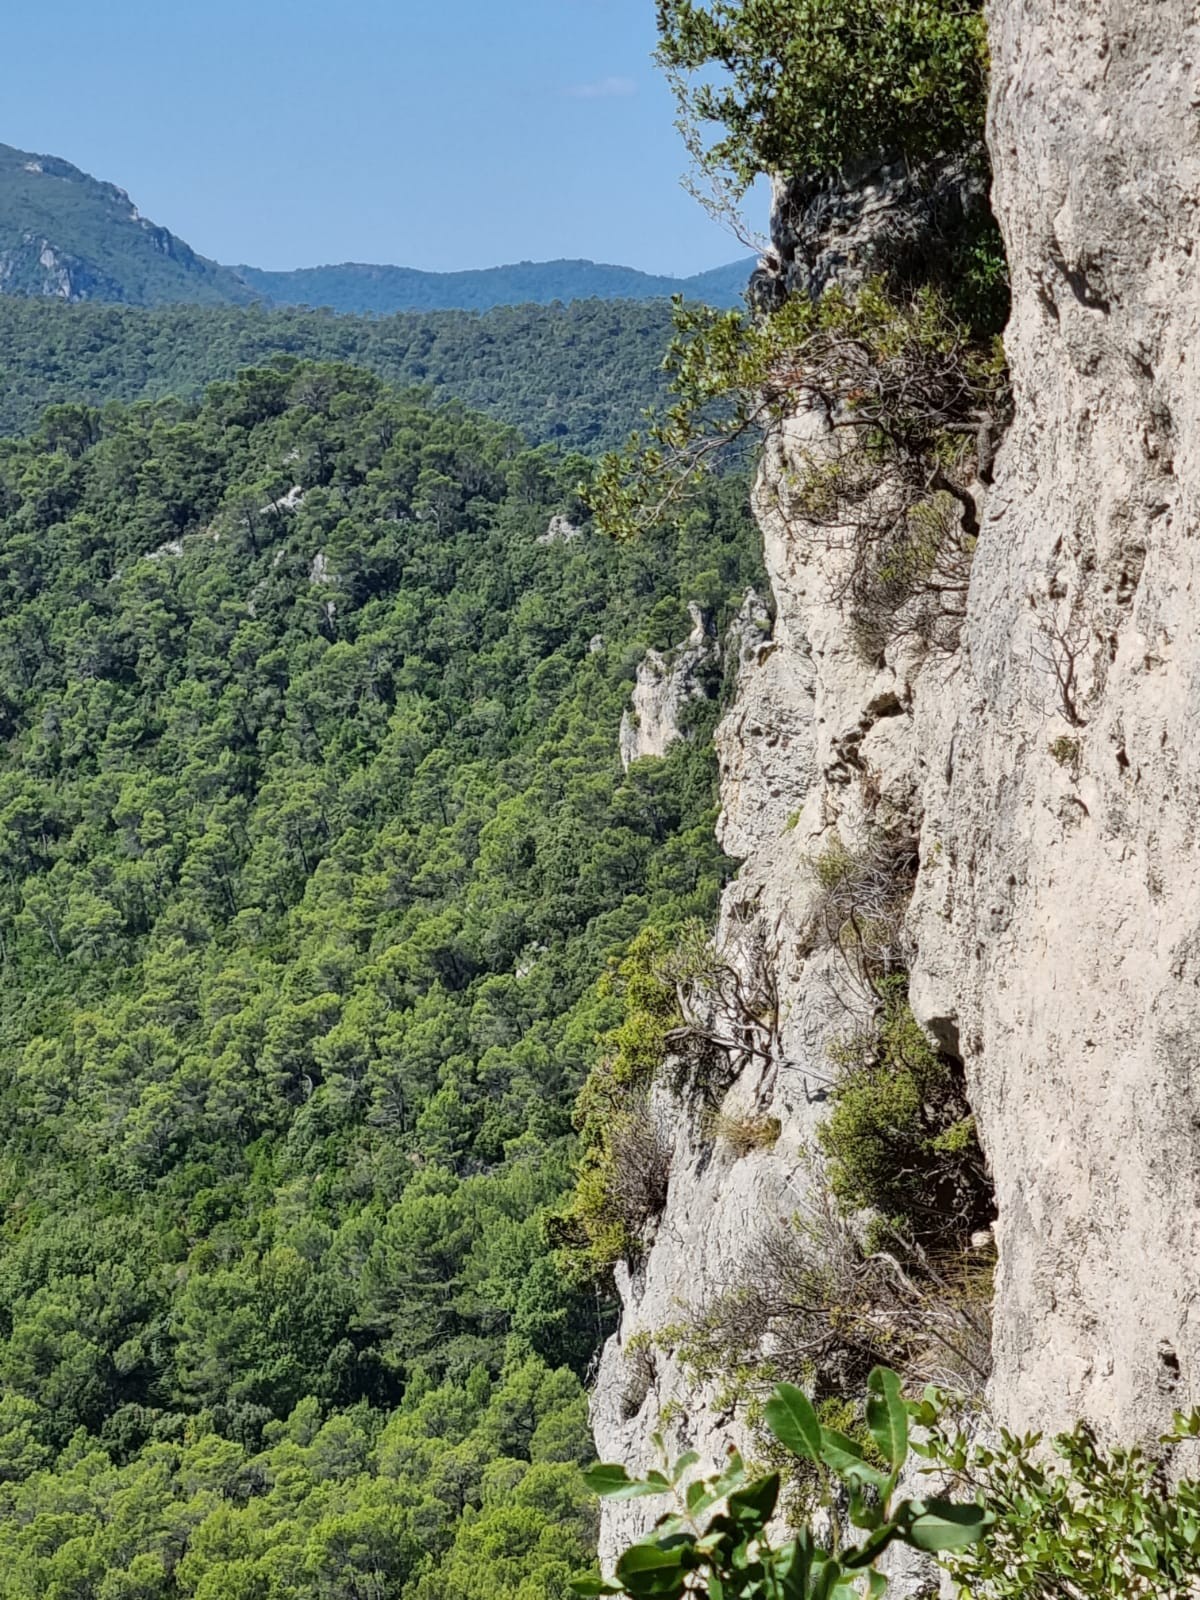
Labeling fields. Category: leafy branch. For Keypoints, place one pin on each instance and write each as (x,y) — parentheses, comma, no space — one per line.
(716,1540)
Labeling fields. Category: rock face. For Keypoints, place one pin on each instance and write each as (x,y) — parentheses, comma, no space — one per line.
(1058,928)
(664,686)
(1051,768)
(809,718)
(880,216)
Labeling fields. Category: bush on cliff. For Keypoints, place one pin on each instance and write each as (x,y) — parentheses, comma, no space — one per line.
(805,86)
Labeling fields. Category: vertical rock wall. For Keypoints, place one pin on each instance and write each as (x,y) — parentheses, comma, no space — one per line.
(1052,767)
(815,745)
(1058,924)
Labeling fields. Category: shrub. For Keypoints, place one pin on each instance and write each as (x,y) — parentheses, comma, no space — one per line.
(714,1539)
(1102,1523)
(1066,751)
(900,1138)
(863,896)
(634,1049)
(620,1187)
(814,1304)
(805,86)
(705,1014)
(1105,1523)
(743,1134)
(914,402)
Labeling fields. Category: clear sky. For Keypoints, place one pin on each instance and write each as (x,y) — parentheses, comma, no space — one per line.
(429,133)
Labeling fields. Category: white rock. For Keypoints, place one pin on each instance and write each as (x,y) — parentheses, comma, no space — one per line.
(665,684)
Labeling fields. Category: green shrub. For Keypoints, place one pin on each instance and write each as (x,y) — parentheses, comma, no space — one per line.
(743,1134)
(911,386)
(1066,751)
(713,1539)
(685,1003)
(1102,1524)
(863,896)
(900,1139)
(805,86)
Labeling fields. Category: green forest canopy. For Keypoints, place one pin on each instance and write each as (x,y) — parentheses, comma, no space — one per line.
(578,375)
(313,846)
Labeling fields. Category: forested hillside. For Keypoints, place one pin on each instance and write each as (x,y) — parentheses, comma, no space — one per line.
(67,235)
(579,375)
(315,853)
(358,287)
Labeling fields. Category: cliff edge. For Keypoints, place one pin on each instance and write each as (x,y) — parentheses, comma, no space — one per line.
(1042,765)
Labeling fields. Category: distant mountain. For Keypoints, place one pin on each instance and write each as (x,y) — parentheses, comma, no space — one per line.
(381,290)
(66,236)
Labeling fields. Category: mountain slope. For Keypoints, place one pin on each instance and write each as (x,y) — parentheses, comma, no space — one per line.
(315,849)
(68,236)
(354,287)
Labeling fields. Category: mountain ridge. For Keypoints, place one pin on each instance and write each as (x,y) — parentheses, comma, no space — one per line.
(67,235)
(370,287)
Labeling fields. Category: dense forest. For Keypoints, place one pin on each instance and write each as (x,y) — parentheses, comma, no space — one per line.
(316,858)
(579,375)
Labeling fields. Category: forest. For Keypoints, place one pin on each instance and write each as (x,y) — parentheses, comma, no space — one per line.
(316,860)
(579,375)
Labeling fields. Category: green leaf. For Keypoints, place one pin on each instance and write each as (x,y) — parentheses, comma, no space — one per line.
(846,1458)
(887,1415)
(793,1565)
(876,1585)
(591,1588)
(756,1502)
(827,1579)
(699,1497)
(611,1480)
(654,1554)
(945,1525)
(656,1570)
(871,1549)
(865,1511)
(684,1464)
(793,1421)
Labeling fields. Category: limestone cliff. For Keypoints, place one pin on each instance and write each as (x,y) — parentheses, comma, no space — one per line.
(1058,926)
(665,685)
(1047,769)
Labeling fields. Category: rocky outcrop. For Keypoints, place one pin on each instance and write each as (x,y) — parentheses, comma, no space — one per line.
(34,266)
(880,216)
(560,530)
(664,686)
(808,719)
(1058,918)
(1051,768)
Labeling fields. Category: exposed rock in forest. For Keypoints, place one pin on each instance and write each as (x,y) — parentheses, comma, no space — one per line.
(665,685)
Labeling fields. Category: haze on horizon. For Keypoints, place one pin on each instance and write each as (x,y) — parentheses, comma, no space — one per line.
(295,134)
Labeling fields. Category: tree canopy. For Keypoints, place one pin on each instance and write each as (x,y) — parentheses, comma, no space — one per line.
(578,376)
(314,850)
(800,87)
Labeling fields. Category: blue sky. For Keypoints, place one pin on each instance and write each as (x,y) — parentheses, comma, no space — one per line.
(430,133)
